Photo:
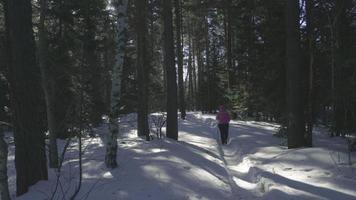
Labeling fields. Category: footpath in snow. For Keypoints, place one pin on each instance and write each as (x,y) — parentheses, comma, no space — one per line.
(263,169)
(252,166)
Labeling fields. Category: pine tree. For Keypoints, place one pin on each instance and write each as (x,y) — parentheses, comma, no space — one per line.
(47,84)
(179,53)
(143,64)
(172,121)
(4,188)
(310,40)
(30,157)
(294,91)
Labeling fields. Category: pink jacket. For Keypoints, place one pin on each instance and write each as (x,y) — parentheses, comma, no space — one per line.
(223,117)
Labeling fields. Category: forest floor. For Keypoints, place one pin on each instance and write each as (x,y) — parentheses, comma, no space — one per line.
(254,165)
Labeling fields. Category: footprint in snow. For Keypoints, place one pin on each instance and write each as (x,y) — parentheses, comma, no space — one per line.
(287,169)
(187,168)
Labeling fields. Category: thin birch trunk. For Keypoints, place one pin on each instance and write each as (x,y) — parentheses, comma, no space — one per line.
(111,145)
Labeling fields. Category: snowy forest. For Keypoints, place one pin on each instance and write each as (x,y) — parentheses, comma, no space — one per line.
(119,99)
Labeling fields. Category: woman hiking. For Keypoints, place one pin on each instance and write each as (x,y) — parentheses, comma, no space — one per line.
(223,119)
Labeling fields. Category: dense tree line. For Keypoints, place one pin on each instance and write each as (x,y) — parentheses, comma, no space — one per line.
(245,55)
(64,64)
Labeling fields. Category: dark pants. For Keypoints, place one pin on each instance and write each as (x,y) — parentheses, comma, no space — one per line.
(224,132)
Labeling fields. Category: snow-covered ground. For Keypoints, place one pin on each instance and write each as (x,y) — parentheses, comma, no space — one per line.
(252,166)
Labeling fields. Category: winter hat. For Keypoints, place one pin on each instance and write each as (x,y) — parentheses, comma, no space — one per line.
(222,108)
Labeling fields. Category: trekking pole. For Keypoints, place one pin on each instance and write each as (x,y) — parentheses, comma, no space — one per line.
(217,134)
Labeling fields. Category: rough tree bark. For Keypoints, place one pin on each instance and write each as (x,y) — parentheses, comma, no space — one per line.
(111,143)
(179,52)
(48,87)
(195,95)
(4,187)
(310,40)
(193,68)
(24,73)
(207,70)
(143,64)
(334,23)
(190,72)
(200,75)
(172,121)
(295,109)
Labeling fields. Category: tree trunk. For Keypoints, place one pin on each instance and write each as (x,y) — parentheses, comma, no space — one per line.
(179,51)
(207,71)
(228,45)
(194,74)
(4,187)
(190,72)
(198,47)
(47,84)
(111,145)
(294,90)
(309,17)
(336,104)
(143,64)
(172,123)
(30,156)
(200,98)
(333,97)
